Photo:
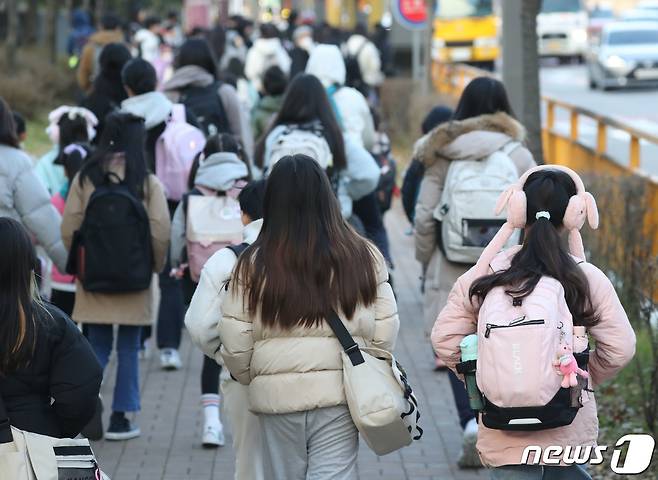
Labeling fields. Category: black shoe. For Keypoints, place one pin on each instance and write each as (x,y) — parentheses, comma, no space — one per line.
(94,429)
(121,428)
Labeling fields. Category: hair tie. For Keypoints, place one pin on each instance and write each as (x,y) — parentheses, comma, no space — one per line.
(73,147)
(543,214)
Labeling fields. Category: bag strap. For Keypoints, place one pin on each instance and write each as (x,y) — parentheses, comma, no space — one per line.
(346,341)
(5,426)
(178,113)
(238,249)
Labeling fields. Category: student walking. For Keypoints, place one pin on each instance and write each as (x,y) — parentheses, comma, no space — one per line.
(202,321)
(49,375)
(24,198)
(548,202)
(268,105)
(90,65)
(274,334)
(483,125)
(120,258)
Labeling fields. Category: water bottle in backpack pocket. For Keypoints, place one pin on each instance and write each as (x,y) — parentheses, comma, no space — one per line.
(466,222)
(519,340)
(112,251)
(175,151)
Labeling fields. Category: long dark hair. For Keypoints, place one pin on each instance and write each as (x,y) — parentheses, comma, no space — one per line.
(221,142)
(306,101)
(306,260)
(8,134)
(123,134)
(20,311)
(543,252)
(113,58)
(196,51)
(484,95)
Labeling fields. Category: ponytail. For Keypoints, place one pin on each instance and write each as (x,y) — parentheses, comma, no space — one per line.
(543,252)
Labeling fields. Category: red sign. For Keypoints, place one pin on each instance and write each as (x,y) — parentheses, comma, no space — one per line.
(413,12)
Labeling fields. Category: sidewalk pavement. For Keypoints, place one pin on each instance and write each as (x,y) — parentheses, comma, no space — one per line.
(171,417)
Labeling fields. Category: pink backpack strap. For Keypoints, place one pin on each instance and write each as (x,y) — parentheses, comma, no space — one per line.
(178,113)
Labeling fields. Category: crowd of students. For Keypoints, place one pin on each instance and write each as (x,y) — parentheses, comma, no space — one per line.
(235,182)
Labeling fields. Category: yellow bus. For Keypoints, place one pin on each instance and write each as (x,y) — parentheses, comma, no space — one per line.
(466,31)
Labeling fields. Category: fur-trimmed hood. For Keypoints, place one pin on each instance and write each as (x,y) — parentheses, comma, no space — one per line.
(469,139)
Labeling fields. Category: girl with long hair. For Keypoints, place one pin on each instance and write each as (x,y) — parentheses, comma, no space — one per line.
(305,263)
(120,156)
(49,376)
(589,295)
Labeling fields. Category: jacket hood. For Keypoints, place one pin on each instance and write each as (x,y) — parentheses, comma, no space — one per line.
(267,46)
(469,139)
(153,107)
(327,63)
(188,76)
(220,171)
(81,19)
(104,37)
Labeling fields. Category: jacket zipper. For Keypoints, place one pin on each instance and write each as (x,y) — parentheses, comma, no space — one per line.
(519,322)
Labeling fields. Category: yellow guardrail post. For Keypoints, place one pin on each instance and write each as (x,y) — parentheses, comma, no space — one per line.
(635,153)
(601,138)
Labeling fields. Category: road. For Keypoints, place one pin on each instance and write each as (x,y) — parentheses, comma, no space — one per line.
(638,108)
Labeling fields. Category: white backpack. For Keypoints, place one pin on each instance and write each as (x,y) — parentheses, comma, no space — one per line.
(466,209)
(518,343)
(302,139)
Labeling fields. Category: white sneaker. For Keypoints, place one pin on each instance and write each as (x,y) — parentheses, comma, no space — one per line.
(469,457)
(170,359)
(213,435)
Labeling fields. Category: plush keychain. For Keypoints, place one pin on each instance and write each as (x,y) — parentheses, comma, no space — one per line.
(568,367)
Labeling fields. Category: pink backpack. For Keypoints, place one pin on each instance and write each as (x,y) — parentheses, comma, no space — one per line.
(518,341)
(213,222)
(175,151)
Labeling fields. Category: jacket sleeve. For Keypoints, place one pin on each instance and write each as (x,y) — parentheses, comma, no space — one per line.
(523,159)
(387,321)
(362,170)
(429,196)
(39,216)
(252,65)
(160,222)
(344,198)
(231,104)
(410,188)
(204,313)
(613,335)
(457,320)
(236,333)
(86,66)
(73,212)
(75,378)
(177,236)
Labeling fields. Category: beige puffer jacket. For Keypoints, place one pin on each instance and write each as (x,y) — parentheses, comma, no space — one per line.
(470,139)
(615,347)
(300,369)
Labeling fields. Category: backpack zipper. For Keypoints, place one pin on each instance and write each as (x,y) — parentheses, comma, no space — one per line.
(519,322)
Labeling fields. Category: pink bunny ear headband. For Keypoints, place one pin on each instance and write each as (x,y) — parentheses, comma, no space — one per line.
(581,208)
(56,115)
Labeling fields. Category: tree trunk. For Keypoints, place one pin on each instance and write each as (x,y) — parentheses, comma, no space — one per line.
(51,30)
(427,51)
(532,113)
(521,67)
(99,10)
(31,21)
(12,35)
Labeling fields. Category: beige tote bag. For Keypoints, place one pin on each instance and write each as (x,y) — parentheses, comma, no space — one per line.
(381,402)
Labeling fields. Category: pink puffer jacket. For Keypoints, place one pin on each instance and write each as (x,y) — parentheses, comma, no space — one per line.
(615,346)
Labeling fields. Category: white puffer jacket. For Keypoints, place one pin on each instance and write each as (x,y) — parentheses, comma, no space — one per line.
(300,369)
(24,198)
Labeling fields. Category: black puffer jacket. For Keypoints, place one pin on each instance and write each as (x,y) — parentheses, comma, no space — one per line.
(64,368)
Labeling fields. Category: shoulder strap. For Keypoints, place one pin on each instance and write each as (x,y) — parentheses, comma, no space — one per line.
(346,341)
(178,113)
(509,147)
(361,48)
(238,249)
(5,426)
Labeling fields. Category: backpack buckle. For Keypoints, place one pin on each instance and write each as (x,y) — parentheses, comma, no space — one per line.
(517,302)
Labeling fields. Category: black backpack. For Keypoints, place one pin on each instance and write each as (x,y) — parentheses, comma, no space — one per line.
(206,104)
(353,74)
(112,251)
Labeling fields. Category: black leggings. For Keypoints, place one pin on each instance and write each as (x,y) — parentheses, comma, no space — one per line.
(210,376)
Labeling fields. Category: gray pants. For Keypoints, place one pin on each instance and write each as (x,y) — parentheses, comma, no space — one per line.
(313,445)
(537,472)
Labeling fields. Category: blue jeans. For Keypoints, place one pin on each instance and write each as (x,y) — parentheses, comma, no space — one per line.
(537,472)
(171,314)
(126,388)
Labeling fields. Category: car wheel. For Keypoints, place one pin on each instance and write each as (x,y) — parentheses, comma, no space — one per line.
(592,83)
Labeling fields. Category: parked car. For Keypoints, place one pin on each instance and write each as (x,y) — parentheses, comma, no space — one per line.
(562,29)
(599,17)
(627,56)
(640,15)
